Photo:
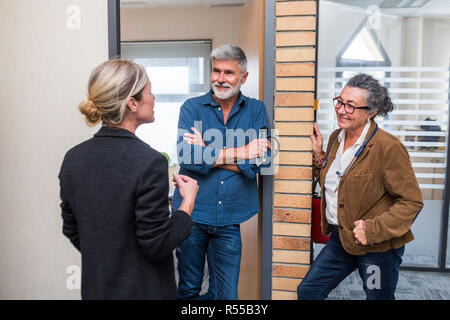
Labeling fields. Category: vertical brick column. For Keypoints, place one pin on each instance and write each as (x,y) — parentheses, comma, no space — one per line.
(294,113)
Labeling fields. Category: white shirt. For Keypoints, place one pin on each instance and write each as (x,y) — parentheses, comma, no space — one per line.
(339,165)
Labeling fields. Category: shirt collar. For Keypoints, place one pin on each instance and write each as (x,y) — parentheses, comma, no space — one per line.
(361,138)
(209,99)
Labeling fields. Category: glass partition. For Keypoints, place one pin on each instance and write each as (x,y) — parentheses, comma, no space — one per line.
(409,54)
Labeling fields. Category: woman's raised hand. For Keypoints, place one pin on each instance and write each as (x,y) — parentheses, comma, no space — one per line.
(188,189)
(317,140)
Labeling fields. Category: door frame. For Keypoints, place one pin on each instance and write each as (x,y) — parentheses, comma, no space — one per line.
(267,180)
(114,28)
(269,81)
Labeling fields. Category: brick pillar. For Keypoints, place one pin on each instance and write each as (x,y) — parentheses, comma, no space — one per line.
(293,117)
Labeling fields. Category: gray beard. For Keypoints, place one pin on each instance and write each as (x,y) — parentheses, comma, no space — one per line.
(226,94)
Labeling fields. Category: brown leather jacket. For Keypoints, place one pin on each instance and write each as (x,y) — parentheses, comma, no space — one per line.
(380,188)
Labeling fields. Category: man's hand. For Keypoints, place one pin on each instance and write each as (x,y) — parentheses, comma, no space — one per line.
(188,188)
(255,149)
(194,138)
(359,232)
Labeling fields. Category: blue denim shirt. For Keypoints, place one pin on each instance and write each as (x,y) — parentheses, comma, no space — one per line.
(224,197)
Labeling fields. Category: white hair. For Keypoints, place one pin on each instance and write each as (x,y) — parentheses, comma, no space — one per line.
(230,52)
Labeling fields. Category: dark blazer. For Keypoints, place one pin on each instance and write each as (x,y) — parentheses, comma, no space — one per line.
(115,210)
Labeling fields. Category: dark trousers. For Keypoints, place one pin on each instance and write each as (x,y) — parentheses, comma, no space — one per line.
(379,272)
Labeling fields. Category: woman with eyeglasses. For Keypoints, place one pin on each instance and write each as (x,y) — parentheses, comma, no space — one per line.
(370,196)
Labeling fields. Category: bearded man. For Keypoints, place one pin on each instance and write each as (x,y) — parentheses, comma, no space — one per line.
(217,145)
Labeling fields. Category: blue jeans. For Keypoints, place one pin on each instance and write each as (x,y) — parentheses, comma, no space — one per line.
(379,272)
(223,247)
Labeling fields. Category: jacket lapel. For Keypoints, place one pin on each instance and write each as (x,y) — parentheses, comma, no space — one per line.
(368,146)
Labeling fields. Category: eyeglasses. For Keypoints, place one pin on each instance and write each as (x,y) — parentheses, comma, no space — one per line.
(347,106)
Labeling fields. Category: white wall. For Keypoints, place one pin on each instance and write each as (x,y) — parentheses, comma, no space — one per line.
(436,42)
(181,23)
(45,68)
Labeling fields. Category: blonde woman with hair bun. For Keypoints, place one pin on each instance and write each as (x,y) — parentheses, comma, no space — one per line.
(114,193)
(114,87)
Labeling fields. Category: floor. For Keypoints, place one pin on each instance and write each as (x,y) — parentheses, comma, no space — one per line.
(412,285)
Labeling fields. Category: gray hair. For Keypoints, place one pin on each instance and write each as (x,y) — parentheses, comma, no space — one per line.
(230,52)
(377,95)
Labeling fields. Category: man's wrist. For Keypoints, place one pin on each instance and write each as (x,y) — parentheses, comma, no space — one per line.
(229,155)
(239,153)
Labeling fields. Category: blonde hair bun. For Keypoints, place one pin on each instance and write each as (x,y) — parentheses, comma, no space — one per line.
(90,111)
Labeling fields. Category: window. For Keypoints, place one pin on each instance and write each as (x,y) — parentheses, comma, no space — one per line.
(363,49)
(178,70)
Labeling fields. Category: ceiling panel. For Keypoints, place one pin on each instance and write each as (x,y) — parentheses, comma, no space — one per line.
(155,3)
(404,8)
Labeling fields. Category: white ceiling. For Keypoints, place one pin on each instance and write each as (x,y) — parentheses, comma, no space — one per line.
(157,3)
(404,8)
